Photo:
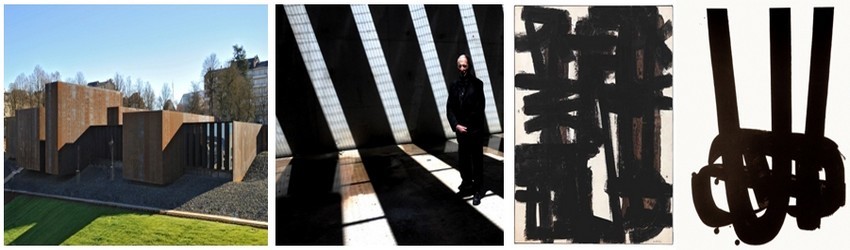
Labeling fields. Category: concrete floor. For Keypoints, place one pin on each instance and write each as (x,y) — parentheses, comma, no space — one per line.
(394,195)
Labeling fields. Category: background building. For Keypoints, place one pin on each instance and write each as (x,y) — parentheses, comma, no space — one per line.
(258,74)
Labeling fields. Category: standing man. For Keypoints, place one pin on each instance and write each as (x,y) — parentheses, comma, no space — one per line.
(466,116)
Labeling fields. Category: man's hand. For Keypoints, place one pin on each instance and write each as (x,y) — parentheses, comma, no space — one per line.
(460,128)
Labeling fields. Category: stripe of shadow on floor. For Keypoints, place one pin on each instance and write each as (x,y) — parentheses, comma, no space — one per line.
(419,208)
(311,212)
(493,169)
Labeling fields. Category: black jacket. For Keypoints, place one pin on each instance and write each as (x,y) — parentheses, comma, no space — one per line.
(466,105)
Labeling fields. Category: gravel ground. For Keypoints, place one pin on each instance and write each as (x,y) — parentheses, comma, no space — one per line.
(192,192)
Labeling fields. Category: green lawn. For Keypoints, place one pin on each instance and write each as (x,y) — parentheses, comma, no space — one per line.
(41,221)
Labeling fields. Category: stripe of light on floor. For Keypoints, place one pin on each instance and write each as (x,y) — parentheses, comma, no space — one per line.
(493,146)
(363,219)
(479,64)
(283,170)
(282,145)
(308,45)
(381,72)
(488,150)
(432,63)
(491,205)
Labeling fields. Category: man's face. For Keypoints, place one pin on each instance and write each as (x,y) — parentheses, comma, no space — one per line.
(462,65)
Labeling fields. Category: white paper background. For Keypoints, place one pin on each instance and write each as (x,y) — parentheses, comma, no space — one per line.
(695,114)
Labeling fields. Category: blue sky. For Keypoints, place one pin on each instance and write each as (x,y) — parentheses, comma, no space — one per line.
(157,43)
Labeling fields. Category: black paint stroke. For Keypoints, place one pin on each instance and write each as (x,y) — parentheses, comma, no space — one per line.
(744,152)
(629,43)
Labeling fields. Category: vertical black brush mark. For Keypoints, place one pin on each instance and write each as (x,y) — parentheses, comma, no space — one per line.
(815,116)
(819,71)
(745,151)
(724,74)
(780,92)
(780,69)
(573,117)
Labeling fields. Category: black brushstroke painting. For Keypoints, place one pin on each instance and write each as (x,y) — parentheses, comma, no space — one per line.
(763,161)
(573,116)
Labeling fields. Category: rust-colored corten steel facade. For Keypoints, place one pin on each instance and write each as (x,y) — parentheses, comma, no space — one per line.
(70,110)
(151,152)
(244,147)
(115,115)
(11,136)
(80,124)
(30,138)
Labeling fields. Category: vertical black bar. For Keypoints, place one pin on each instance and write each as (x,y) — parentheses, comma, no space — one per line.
(780,96)
(227,132)
(218,141)
(190,140)
(203,148)
(533,42)
(196,140)
(807,174)
(545,211)
(187,143)
(211,146)
(207,149)
(780,70)
(195,146)
(728,123)
(724,75)
(224,165)
(218,134)
(649,139)
(531,228)
(819,71)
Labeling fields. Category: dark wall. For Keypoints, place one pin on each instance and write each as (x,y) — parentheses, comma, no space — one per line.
(298,108)
(94,144)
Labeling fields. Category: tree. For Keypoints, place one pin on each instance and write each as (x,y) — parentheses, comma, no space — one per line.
(54,77)
(168,105)
(128,85)
(210,64)
(19,97)
(229,91)
(165,95)
(230,94)
(239,59)
(36,89)
(135,101)
(196,101)
(148,96)
(120,84)
(80,79)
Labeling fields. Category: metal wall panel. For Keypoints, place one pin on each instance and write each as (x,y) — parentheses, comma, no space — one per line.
(70,110)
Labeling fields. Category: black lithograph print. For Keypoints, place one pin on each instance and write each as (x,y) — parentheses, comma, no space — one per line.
(766,175)
(593,124)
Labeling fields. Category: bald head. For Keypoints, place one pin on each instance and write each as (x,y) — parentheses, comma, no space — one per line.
(462,64)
